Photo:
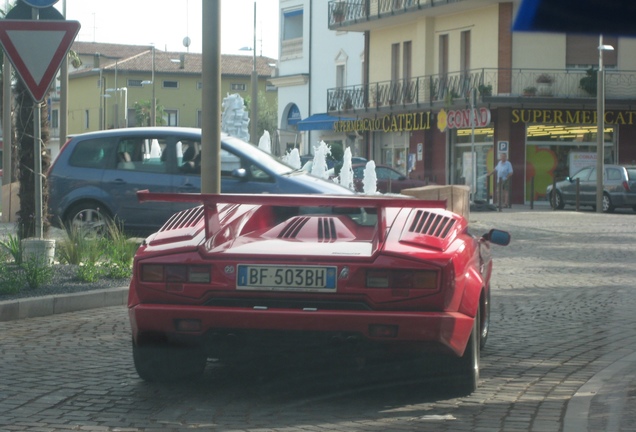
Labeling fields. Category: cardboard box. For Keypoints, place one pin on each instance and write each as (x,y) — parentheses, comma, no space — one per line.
(457,197)
(10,202)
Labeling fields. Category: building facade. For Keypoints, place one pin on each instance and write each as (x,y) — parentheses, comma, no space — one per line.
(313,59)
(114,80)
(449,85)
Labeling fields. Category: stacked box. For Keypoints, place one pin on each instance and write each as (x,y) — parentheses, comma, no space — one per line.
(457,197)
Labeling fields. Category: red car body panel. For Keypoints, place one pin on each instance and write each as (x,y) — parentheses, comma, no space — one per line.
(233,233)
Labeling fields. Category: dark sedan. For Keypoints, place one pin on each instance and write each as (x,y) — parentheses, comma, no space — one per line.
(619,188)
(388,179)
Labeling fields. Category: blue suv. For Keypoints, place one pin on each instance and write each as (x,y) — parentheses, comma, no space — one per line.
(96,176)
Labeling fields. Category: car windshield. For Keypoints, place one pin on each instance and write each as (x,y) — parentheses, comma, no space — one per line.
(631,173)
(264,159)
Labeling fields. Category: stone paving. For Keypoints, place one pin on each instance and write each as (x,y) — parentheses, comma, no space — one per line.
(561,357)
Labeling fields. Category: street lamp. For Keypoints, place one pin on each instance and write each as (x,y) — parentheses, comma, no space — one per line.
(254,104)
(153,104)
(600,130)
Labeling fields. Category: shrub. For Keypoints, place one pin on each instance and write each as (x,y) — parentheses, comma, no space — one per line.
(589,82)
(35,273)
(13,246)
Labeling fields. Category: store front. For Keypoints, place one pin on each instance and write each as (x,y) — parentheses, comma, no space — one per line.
(391,137)
(558,143)
(471,148)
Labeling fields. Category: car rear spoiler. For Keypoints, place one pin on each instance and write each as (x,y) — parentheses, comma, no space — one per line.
(211,202)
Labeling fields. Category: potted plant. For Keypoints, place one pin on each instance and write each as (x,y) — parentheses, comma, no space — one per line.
(589,81)
(485,90)
(530,91)
(544,82)
(545,78)
(338,11)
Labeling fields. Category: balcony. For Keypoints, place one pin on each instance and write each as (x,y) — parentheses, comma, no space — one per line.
(496,87)
(357,15)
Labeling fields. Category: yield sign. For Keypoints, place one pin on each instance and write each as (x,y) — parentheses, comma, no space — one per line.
(36,49)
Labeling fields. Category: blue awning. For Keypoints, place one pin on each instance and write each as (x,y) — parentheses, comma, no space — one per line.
(317,122)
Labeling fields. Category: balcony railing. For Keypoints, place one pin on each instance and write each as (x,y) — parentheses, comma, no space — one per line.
(343,12)
(492,85)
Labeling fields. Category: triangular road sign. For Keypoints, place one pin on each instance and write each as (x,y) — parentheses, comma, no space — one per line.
(36,49)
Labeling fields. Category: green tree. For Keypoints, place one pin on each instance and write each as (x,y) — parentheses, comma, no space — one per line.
(143,109)
(267,114)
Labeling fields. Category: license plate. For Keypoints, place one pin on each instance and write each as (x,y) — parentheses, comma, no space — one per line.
(299,278)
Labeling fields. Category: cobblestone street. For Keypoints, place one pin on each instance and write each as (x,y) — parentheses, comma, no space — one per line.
(561,356)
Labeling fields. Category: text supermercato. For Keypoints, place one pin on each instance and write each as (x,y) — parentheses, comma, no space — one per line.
(389,123)
(550,116)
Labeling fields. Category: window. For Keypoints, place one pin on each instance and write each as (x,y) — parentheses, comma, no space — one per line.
(395,62)
(292,35)
(91,153)
(142,154)
(293,24)
(582,51)
(340,75)
(189,156)
(135,83)
(55,119)
(395,72)
(171,84)
(229,162)
(171,117)
(406,60)
(465,52)
(237,87)
(443,55)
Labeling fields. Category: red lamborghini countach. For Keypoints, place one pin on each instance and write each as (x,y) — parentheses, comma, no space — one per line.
(396,274)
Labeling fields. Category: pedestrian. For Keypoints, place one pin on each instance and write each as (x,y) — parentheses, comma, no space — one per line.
(504,172)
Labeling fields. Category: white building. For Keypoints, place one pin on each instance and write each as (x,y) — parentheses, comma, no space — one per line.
(312,60)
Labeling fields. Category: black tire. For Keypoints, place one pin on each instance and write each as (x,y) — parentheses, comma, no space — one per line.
(556,200)
(607,203)
(465,378)
(89,218)
(160,362)
(485,320)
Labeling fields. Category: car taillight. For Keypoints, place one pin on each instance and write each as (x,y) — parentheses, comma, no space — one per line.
(626,186)
(175,273)
(402,279)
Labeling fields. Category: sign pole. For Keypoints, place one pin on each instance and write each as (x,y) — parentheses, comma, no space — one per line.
(37,168)
(37,155)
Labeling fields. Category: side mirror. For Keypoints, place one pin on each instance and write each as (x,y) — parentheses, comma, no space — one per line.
(240,173)
(569,179)
(498,237)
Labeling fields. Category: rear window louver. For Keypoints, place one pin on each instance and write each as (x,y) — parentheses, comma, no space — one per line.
(326,229)
(184,219)
(432,224)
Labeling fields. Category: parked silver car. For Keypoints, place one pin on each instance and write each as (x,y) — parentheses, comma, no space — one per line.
(619,188)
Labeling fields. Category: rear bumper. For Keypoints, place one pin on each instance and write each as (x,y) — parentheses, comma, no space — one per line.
(450,330)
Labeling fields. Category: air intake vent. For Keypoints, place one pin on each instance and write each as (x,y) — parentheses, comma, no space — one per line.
(314,228)
(184,219)
(327,229)
(292,230)
(432,224)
